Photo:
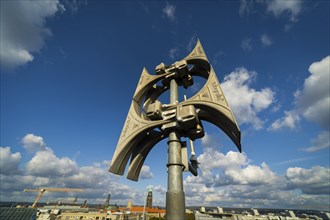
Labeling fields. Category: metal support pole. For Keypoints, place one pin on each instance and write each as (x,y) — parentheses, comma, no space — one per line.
(175,199)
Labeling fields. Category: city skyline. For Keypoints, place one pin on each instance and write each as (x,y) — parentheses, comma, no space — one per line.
(69,70)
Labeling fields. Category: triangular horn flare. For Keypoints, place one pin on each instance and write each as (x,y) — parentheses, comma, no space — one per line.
(198,56)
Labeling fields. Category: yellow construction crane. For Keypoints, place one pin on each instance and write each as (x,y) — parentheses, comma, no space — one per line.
(42,190)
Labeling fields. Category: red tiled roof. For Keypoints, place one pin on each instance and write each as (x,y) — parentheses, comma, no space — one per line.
(149,210)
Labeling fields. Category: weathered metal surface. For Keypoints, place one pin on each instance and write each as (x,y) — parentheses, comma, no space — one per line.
(149,121)
(175,192)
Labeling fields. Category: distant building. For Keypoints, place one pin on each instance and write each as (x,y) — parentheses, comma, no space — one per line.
(292,215)
(255,212)
(156,212)
(149,199)
(106,205)
(86,216)
(220,210)
(146,210)
(129,204)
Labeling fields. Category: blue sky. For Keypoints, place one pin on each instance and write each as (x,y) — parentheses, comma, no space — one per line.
(69,70)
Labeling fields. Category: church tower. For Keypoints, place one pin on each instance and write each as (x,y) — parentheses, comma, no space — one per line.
(129,204)
(149,199)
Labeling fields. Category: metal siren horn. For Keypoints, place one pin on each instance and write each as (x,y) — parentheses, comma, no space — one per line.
(213,107)
(136,126)
(198,57)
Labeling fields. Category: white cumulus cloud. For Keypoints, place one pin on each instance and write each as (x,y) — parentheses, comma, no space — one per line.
(47,164)
(46,169)
(311,181)
(313,100)
(159,189)
(23,30)
(245,101)
(252,175)
(145,172)
(289,120)
(9,161)
(233,168)
(212,159)
(89,177)
(244,184)
(33,143)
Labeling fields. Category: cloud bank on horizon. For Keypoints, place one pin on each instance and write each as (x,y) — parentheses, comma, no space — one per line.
(227,177)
